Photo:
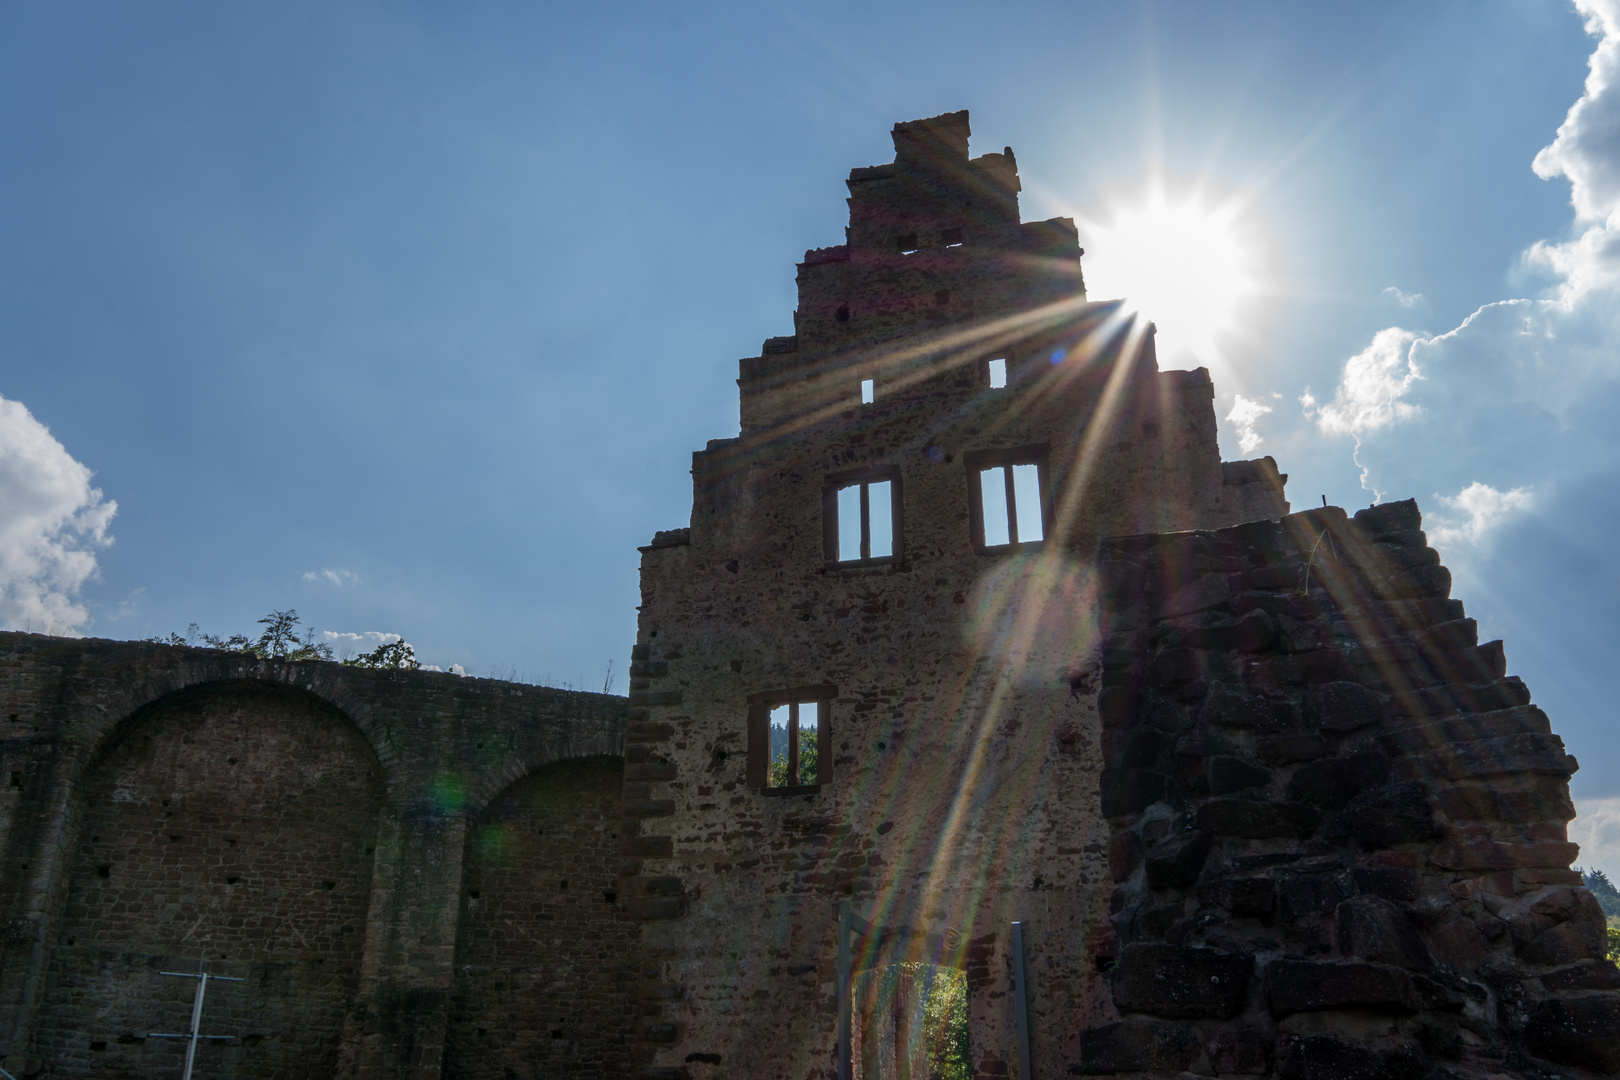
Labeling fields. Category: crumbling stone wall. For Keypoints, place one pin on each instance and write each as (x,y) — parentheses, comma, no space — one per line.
(546,958)
(1338,825)
(322,815)
(235,816)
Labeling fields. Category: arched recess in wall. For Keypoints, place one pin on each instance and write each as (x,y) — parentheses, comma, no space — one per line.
(546,951)
(239,816)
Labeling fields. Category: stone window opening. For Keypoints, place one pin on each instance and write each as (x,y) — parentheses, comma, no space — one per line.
(907,244)
(951,238)
(1009,500)
(842,314)
(998,373)
(867,391)
(861,517)
(789,740)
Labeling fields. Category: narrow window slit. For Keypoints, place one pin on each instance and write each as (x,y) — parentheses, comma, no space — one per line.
(866,391)
(998,373)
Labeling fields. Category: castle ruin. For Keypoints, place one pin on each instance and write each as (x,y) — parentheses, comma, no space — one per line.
(982,722)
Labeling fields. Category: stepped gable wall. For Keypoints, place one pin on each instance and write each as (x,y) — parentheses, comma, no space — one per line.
(1337,824)
(320,829)
(961,767)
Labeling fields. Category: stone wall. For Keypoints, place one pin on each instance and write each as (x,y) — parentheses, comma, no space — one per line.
(546,959)
(307,823)
(1337,824)
(960,791)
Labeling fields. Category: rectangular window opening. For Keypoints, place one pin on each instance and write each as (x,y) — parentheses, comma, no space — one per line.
(998,373)
(851,513)
(866,391)
(951,238)
(1026,488)
(787,739)
(907,244)
(1009,502)
(993,488)
(862,511)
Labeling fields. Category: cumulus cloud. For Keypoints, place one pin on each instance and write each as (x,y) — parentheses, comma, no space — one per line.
(355,644)
(1245,414)
(54,521)
(1597,829)
(1405,299)
(338,578)
(1371,388)
(1481,507)
(1513,411)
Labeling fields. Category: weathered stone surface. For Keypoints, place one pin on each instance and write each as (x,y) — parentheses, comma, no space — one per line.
(1231,707)
(1374,929)
(1582,1032)
(1385,817)
(1467,853)
(1175,862)
(1238,1052)
(1256,819)
(1130,791)
(1333,782)
(1179,982)
(1343,706)
(1304,985)
(1228,775)
(1325,1057)
(1137,1046)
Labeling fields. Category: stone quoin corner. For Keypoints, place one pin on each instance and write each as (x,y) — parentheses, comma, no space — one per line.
(982,723)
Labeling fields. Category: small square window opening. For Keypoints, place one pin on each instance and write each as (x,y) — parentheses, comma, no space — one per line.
(998,373)
(907,244)
(951,237)
(866,391)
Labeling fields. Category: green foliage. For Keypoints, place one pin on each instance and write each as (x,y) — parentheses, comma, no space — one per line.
(1608,897)
(1614,938)
(808,773)
(395,654)
(280,640)
(935,994)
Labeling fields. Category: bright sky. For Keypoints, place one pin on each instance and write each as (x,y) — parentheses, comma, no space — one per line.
(408,316)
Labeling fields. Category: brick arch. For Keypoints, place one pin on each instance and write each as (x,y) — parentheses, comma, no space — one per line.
(546,949)
(240,813)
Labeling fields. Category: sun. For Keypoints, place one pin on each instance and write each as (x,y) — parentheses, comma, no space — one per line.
(1184,265)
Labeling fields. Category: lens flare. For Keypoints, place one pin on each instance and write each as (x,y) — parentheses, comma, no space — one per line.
(1184,265)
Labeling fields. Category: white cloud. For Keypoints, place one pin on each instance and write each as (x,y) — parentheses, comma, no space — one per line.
(354,644)
(1405,299)
(1597,829)
(454,669)
(1245,414)
(1482,507)
(1371,386)
(338,578)
(52,524)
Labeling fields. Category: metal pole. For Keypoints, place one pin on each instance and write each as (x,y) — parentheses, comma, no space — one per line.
(1021,999)
(196,1024)
(846,1069)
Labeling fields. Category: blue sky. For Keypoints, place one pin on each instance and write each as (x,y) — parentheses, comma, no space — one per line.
(409,316)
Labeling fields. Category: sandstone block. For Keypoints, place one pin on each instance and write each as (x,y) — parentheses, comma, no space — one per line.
(1257,820)
(1343,706)
(1582,1032)
(1137,1046)
(1180,982)
(1308,985)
